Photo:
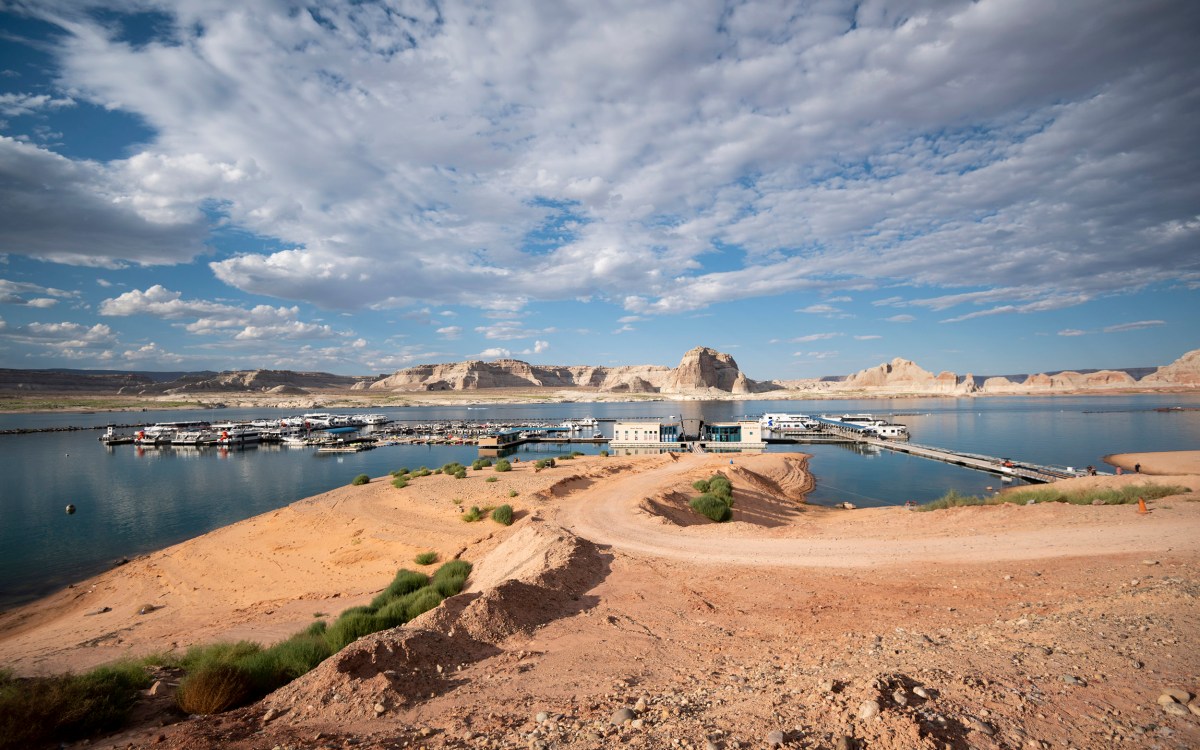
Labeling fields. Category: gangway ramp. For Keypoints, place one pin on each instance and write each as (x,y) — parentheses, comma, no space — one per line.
(1030,472)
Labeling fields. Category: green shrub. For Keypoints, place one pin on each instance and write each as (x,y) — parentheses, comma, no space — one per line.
(503,465)
(472,515)
(420,602)
(604,454)
(426,558)
(700,485)
(38,711)
(405,582)
(503,515)
(360,479)
(513,493)
(481,463)
(449,579)
(721,487)
(576,454)
(349,629)
(711,506)
(1126,495)
(224,652)
(400,482)
(461,473)
(294,657)
(492,479)
(400,471)
(214,688)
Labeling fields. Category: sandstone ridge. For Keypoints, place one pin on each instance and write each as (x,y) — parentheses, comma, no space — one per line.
(701,371)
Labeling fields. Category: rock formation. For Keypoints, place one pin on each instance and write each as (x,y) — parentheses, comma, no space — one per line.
(246,381)
(1184,371)
(700,370)
(902,375)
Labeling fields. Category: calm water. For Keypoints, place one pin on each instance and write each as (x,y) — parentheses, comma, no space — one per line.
(131,502)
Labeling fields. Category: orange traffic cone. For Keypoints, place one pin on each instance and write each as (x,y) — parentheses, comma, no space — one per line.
(1142,506)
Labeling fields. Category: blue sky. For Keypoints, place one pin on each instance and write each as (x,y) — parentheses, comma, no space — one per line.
(994,187)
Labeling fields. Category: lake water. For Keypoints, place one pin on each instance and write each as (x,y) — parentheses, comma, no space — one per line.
(130,502)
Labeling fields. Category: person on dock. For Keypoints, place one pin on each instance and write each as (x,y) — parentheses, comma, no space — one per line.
(1137,468)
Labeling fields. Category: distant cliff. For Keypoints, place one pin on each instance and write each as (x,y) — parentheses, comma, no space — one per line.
(902,376)
(281,382)
(701,371)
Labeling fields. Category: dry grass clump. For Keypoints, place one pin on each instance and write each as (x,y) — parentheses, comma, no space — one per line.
(214,688)
(1126,495)
(35,712)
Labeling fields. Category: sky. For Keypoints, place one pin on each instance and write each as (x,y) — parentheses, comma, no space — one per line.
(999,186)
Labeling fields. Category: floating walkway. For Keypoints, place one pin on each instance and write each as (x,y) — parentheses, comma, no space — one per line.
(1004,467)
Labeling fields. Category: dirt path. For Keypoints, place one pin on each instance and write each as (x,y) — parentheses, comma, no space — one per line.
(614,513)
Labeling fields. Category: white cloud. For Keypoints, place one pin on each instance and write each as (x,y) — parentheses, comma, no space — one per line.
(1136,326)
(820,309)
(15,105)
(256,323)
(814,337)
(151,354)
(495,353)
(900,319)
(815,355)
(42,302)
(835,147)
(507,330)
(1072,332)
(79,212)
(450,332)
(868,337)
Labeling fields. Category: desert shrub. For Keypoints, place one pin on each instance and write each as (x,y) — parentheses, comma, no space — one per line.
(711,506)
(361,479)
(361,609)
(400,472)
(576,454)
(294,657)
(503,515)
(406,581)
(449,579)
(481,463)
(700,485)
(317,628)
(503,465)
(437,470)
(214,688)
(224,652)
(472,515)
(1126,495)
(38,711)
(426,558)
(452,467)
(492,479)
(400,482)
(604,453)
(721,487)
(461,473)
(513,493)
(420,602)
(349,628)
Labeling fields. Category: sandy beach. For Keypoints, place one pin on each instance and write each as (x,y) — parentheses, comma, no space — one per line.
(991,627)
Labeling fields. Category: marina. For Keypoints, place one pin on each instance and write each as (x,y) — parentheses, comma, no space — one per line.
(131,499)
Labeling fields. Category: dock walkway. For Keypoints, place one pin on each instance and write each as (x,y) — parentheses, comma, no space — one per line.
(1016,469)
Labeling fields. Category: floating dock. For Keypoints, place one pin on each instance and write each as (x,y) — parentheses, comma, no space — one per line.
(1004,467)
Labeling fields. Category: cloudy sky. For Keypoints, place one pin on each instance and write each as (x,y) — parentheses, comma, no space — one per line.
(814,187)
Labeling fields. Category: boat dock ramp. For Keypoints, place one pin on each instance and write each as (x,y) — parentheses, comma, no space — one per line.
(1002,466)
